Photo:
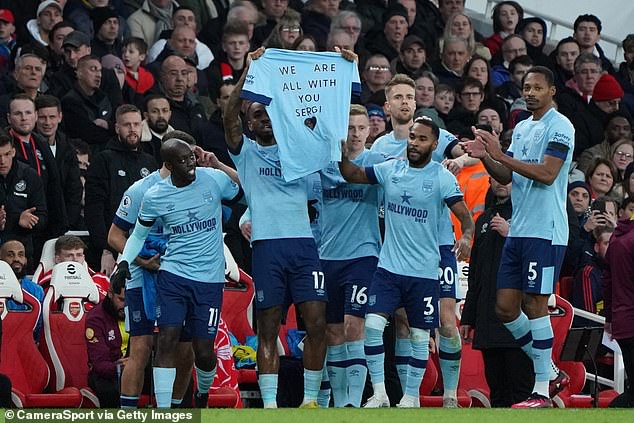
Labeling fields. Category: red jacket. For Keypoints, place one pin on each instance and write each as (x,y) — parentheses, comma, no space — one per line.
(618,281)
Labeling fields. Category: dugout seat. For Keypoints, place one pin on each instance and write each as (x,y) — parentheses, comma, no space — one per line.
(21,360)
(472,378)
(64,317)
(47,259)
(426,397)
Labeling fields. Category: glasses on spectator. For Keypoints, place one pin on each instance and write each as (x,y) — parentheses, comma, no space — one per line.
(622,154)
(470,94)
(290,28)
(374,68)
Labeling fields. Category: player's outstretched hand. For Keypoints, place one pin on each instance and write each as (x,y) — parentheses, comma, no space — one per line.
(255,55)
(462,249)
(491,141)
(349,55)
(122,274)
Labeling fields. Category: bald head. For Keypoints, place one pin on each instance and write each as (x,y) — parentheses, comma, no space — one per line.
(173,148)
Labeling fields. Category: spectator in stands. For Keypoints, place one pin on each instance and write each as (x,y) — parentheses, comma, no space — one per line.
(488,116)
(138,80)
(152,19)
(587,32)
(601,176)
(506,16)
(454,57)
(78,13)
(27,78)
(23,209)
(412,58)
(617,127)
(169,43)
(55,46)
(425,22)
(587,289)
(621,155)
(618,292)
(87,106)
(106,40)
(444,100)
(13,253)
(507,369)
(480,69)
(106,348)
(470,97)
(627,208)
(230,64)
(533,30)
(155,125)
(49,12)
(210,17)
(349,21)
(304,43)
(49,117)
(376,74)
(579,197)
(339,38)
(247,12)
(287,30)
(425,95)
(460,25)
(628,181)
(317,18)
(510,91)
(72,248)
(389,39)
(512,47)
(77,45)
(34,151)
(573,101)
(111,172)
(564,57)
(625,75)
(607,95)
(7,38)
(378,123)
(187,111)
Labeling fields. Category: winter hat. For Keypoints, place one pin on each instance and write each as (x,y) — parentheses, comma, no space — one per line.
(607,88)
(578,184)
(100,15)
(374,110)
(394,10)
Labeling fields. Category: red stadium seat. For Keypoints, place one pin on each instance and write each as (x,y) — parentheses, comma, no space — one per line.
(430,381)
(64,341)
(21,361)
(289,324)
(472,378)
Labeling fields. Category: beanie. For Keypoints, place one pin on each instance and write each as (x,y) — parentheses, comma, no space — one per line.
(99,15)
(607,88)
(578,184)
(395,10)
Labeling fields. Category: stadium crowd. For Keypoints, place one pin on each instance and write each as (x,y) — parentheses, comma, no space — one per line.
(91,89)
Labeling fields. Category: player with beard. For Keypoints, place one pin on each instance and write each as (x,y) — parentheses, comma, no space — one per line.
(417,191)
(111,172)
(191,277)
(155,125)
(537,162)
(401,103)
(13,252)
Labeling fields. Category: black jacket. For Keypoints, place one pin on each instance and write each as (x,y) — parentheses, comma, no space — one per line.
(64,80)
(479,307)
(81,110)
(40,158)
(585,117)
(110,174)
(22,189)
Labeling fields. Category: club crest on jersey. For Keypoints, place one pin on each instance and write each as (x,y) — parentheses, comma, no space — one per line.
(20,186)
(121,172)
(208,196)
(144,172)
(428,185)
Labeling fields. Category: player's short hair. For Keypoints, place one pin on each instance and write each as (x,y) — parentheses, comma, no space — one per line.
(399,79)
(427,121)
(358,110)
(68,242)
(542,70)
(179,135)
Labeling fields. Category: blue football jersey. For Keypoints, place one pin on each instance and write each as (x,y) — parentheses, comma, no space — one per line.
(192,217)
(552,135)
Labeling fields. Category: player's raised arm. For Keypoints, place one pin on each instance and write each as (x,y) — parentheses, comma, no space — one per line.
(351,172)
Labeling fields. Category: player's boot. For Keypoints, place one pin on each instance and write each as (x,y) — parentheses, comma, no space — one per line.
(201,400)
(409,401)
(534,401)
(310,404)
(376,401)
(558,384)
(450,402)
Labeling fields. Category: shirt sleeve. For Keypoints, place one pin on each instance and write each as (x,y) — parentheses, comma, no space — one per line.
(379,173)
(228,188)
(561,137)
(128,210)
(257,85)
(449,188)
